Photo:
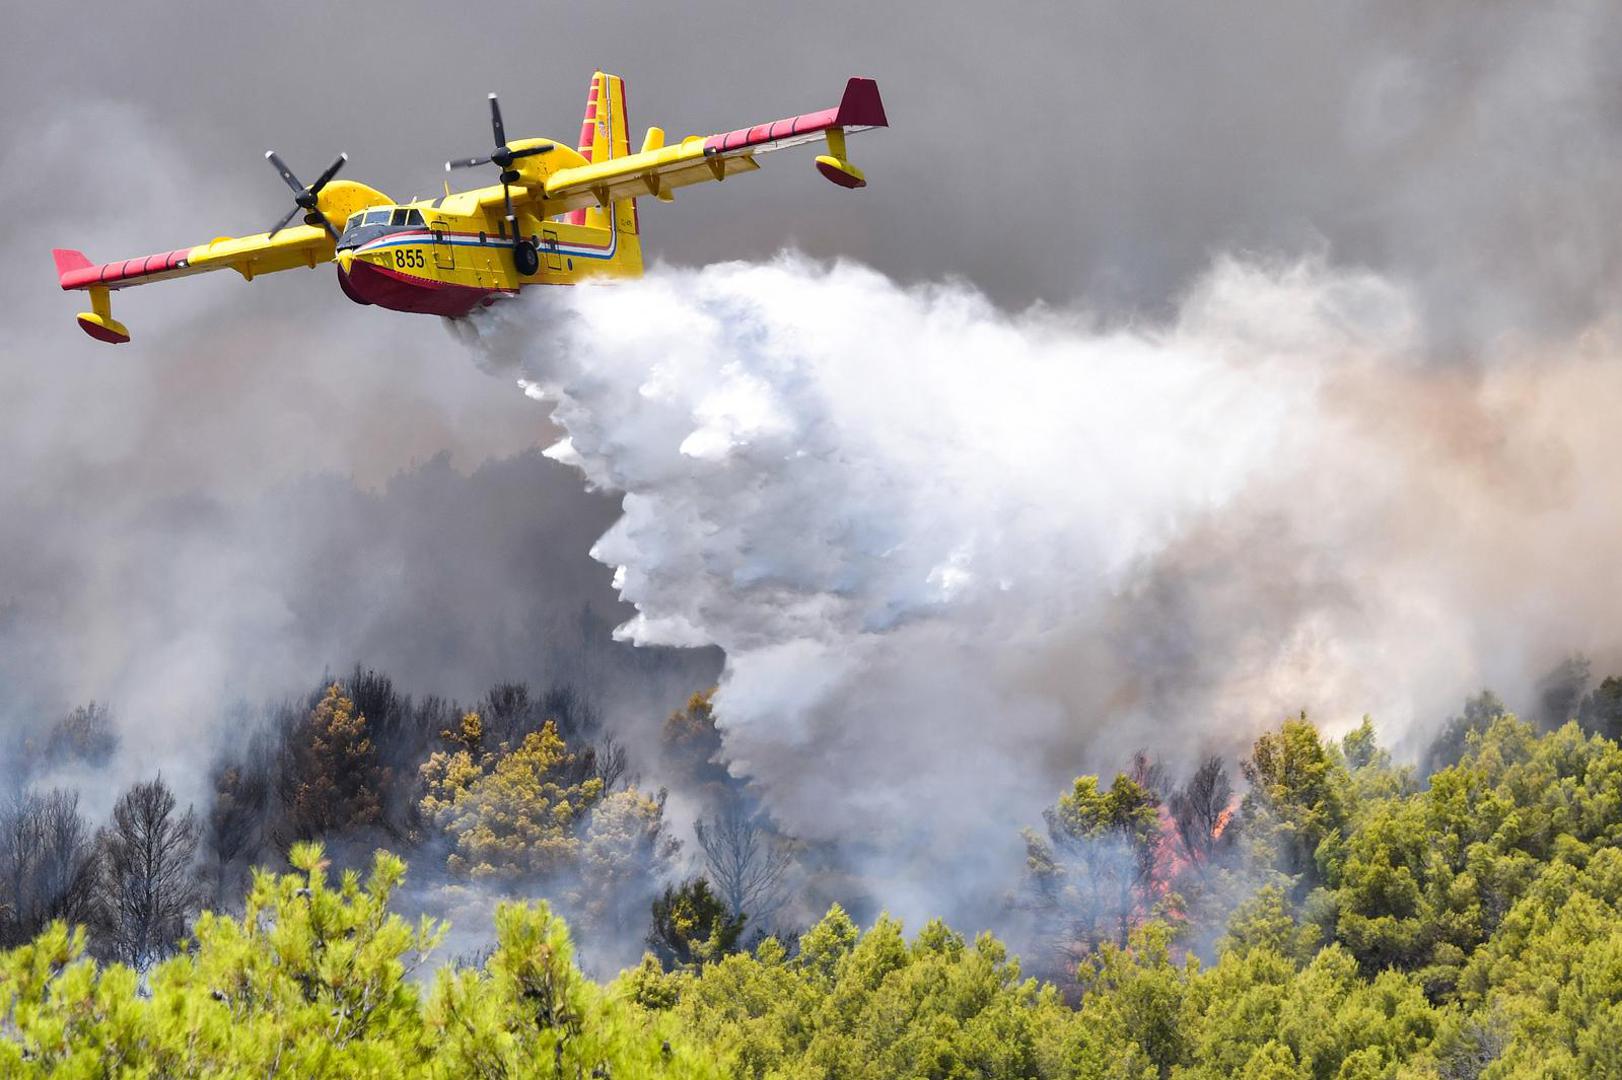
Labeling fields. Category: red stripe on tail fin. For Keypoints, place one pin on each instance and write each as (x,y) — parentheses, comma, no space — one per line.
(588,136)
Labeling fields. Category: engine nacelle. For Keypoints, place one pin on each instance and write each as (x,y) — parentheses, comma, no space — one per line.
(341,198)
(534,169)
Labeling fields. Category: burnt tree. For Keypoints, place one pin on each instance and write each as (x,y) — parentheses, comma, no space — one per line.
(148,883)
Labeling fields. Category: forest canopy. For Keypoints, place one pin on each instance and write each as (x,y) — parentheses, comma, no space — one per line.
(1346,916)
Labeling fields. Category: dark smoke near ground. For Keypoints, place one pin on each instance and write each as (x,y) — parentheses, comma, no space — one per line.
(451,582)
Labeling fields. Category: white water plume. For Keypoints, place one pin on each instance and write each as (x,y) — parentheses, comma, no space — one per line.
(956,556)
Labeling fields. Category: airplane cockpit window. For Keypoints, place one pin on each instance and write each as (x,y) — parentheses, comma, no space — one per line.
(395,216)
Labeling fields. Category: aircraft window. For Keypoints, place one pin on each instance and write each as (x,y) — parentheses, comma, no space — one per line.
(414,217)
(398,218)
(377,217)
(354,219)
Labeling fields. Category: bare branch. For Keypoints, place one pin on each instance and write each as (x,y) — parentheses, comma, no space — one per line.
(746,860)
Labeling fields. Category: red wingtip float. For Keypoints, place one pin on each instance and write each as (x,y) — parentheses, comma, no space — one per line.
(559,214)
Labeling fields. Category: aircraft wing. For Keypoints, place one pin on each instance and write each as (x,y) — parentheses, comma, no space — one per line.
(250,256)
(658,170)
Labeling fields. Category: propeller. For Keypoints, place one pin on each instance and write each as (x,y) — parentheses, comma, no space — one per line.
(306,199)
(503,156)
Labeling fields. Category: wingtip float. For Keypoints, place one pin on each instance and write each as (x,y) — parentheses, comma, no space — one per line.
(558,215)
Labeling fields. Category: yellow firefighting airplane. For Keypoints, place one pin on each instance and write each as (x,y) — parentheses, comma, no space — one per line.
(558,216)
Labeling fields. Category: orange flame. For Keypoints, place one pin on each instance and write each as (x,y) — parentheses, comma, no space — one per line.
(1171,861)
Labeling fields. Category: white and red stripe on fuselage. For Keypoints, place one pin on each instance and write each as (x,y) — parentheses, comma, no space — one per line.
(367,282)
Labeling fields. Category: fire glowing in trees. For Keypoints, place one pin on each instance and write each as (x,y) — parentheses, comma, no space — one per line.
(1180,855)
(1114,858)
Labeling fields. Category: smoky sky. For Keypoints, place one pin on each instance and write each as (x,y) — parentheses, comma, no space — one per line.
(1093,154)
(1042,150)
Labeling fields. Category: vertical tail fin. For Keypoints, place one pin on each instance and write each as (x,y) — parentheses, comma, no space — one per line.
(605,134)
(588,138)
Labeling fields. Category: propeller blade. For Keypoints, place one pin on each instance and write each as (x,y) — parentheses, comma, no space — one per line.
(282,224)
(466,163)
(530,151)
(495,122)
(286,173)
(332,170)
(305,198)
(327,225)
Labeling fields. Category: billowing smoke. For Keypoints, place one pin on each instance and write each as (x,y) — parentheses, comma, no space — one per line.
(956,556)
(267,483)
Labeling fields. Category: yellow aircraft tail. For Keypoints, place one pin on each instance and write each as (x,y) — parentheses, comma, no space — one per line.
(605,134)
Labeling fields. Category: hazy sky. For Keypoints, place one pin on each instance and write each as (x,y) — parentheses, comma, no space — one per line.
(1055,150)
(1096,154)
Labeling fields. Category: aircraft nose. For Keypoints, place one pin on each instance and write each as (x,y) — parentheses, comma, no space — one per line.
(344,259)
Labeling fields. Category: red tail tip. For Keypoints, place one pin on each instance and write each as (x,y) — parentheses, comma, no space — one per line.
(861,105)
(68,260)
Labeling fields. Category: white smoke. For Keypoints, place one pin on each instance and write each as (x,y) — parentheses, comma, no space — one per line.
(956,556)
